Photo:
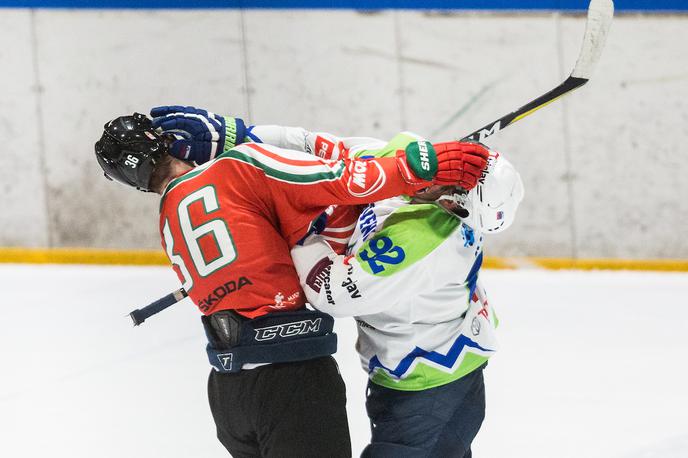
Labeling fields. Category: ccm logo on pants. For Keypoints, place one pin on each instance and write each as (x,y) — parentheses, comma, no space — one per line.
(288,329)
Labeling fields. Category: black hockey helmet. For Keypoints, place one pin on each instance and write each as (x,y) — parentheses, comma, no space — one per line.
(129,149)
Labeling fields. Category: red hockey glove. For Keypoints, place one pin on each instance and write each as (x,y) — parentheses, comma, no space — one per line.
(443,164)
(460,164)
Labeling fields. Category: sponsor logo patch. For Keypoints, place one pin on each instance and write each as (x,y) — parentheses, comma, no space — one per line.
(230,133)
(366,177)
(324,148)
(350,284)
(483,311)
(221,291)
(288,329)
(424,157)
(367,222)
(281,302)
(363,324)
(328,290)
(491,160)
(320,271)
(475,326)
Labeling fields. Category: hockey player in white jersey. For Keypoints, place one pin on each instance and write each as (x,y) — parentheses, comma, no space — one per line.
(408,271)
(409,276)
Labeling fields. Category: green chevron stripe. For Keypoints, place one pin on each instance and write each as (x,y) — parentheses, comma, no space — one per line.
(424,377)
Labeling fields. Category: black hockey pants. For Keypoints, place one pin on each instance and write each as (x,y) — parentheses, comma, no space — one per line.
(282,410)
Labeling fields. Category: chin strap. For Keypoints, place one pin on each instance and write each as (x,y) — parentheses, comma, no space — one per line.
(458,199)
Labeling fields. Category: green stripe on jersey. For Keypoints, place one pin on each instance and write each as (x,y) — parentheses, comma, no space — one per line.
(398,142)
(331,174)
(187,176)
(325,174)
(407,236)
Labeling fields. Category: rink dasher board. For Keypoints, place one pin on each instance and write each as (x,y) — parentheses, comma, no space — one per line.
(158,258)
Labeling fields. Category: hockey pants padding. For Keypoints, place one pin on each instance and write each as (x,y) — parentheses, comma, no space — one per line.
(285,410)
(438,422)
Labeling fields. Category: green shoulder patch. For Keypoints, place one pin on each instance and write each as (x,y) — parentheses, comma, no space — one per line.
(399,141)
(408,235)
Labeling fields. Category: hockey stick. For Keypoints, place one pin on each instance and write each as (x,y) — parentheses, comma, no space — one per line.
(138,316)
(600,14)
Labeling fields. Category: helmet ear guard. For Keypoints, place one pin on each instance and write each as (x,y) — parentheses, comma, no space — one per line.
(129,149)
(492,204)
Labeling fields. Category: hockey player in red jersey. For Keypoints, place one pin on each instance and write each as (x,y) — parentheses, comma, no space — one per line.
(227,227)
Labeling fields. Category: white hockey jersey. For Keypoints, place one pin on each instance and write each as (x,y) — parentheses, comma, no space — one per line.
(409,277)
(411,281)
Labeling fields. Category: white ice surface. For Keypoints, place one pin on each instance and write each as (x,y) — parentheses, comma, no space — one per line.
(591,365)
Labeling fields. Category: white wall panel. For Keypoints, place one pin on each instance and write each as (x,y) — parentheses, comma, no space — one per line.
(112,63)
(629,132)
(324,70)
(23,218)
(462,71)
(604,169)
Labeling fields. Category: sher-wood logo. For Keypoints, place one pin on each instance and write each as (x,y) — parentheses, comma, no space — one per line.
(288,329)
(424,157)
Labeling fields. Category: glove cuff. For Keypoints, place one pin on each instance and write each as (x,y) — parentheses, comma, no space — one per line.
(235,132)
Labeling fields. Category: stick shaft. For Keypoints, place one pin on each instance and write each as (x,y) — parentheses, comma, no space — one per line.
(600,14)
(564,88)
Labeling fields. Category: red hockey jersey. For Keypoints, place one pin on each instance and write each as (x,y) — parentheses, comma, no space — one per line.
(227,226)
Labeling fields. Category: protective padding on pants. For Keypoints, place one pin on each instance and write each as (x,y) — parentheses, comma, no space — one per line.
(437,422)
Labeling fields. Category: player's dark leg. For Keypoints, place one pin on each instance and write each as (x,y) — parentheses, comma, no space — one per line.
(465,423)
(234,412)
(304,411)
(439,421)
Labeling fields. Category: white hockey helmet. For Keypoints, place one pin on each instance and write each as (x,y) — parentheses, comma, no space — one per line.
(491,206)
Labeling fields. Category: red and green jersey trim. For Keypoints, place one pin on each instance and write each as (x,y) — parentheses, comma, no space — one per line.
(288,167)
